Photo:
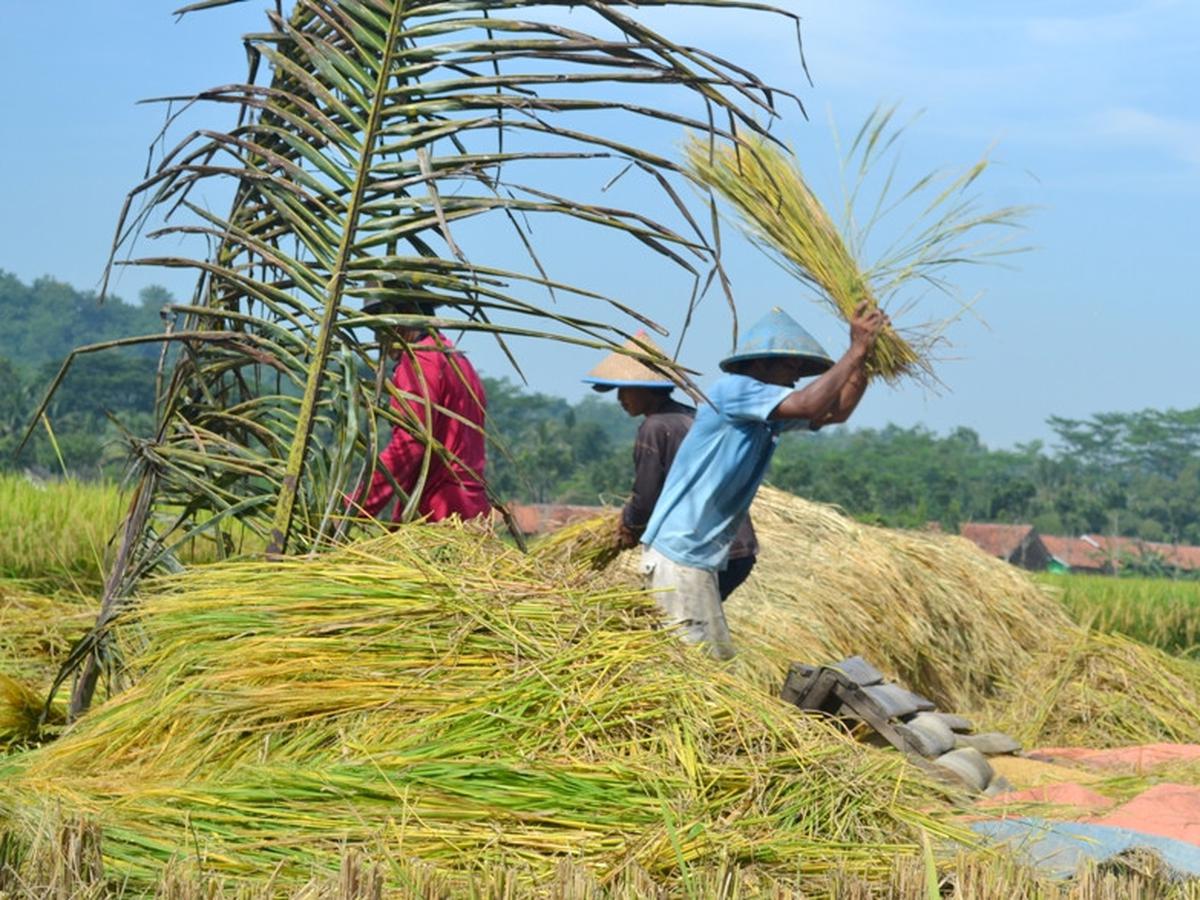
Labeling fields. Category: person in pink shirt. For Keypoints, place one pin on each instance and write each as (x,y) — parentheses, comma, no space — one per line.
(442,405)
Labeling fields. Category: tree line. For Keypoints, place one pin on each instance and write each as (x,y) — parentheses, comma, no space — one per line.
(1134,474)
(1127,473)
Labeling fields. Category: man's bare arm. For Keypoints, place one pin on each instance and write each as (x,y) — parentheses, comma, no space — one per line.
(818,401)
(852,393)
(833,396)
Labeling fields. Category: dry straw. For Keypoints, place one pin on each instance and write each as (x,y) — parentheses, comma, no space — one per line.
(976,635)
(36,633)
(1100,690)
(435,695)
(781,213)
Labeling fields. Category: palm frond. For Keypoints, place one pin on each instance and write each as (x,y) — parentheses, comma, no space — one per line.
(379,132)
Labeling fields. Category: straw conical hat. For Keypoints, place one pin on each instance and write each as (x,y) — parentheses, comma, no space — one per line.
(618,370)
(779,335)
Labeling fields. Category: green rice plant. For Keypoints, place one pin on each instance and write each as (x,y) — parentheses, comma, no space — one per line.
(779,211)
(57,533)
(1157,611)
(435,695)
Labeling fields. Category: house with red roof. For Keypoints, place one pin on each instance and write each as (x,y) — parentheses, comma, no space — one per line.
(1098,554)
(1020,545)
(542,518)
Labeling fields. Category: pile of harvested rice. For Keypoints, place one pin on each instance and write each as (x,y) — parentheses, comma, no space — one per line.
(37,630)
(974,634)
(928,609)
(1101,690)
(434,695)
(942,617)
(36,633)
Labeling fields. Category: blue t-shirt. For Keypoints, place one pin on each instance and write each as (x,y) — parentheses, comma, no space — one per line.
(717,471)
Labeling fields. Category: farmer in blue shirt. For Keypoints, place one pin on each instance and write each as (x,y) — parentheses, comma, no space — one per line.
(723,459)
(646,392)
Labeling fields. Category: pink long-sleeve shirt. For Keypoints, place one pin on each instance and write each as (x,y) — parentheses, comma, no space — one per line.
(436,372)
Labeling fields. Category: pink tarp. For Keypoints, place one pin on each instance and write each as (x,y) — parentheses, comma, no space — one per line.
(1140,758)
(1064,794)
(1169,810)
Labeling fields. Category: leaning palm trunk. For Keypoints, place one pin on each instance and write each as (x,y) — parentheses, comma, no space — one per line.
(381,129)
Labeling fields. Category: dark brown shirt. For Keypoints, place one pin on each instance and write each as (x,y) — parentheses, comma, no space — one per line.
(658,439)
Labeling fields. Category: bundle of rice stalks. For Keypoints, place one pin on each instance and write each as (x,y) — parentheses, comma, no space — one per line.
(435,695)
(780,213)
(1099,690)
(20,712)
(36,634)
(590,543)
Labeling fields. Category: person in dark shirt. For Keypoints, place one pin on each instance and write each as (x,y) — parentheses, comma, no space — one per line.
(642,391)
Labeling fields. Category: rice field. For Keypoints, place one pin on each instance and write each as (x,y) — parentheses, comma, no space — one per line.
(56,533)
(1161,612)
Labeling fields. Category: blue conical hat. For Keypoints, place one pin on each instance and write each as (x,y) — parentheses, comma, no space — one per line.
(779,335)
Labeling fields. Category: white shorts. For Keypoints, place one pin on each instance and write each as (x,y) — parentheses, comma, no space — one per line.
(690,602)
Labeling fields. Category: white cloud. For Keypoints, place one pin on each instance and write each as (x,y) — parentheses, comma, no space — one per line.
(1174,137)
(1151,20)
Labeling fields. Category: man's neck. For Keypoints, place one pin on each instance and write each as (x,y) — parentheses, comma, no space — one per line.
(665,403)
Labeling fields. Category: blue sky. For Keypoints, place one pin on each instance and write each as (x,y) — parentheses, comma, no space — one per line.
(1089,111)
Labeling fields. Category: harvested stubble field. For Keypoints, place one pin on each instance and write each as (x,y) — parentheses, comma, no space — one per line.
(433,714)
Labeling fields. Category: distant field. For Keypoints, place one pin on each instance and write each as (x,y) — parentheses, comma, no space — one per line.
(1156,611)
(56,534)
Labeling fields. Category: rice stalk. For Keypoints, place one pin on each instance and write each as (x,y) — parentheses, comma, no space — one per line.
(20,712)
(591,543)
(1100,690)
(37,630)
(434,694)
(780,212)
(929,609)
